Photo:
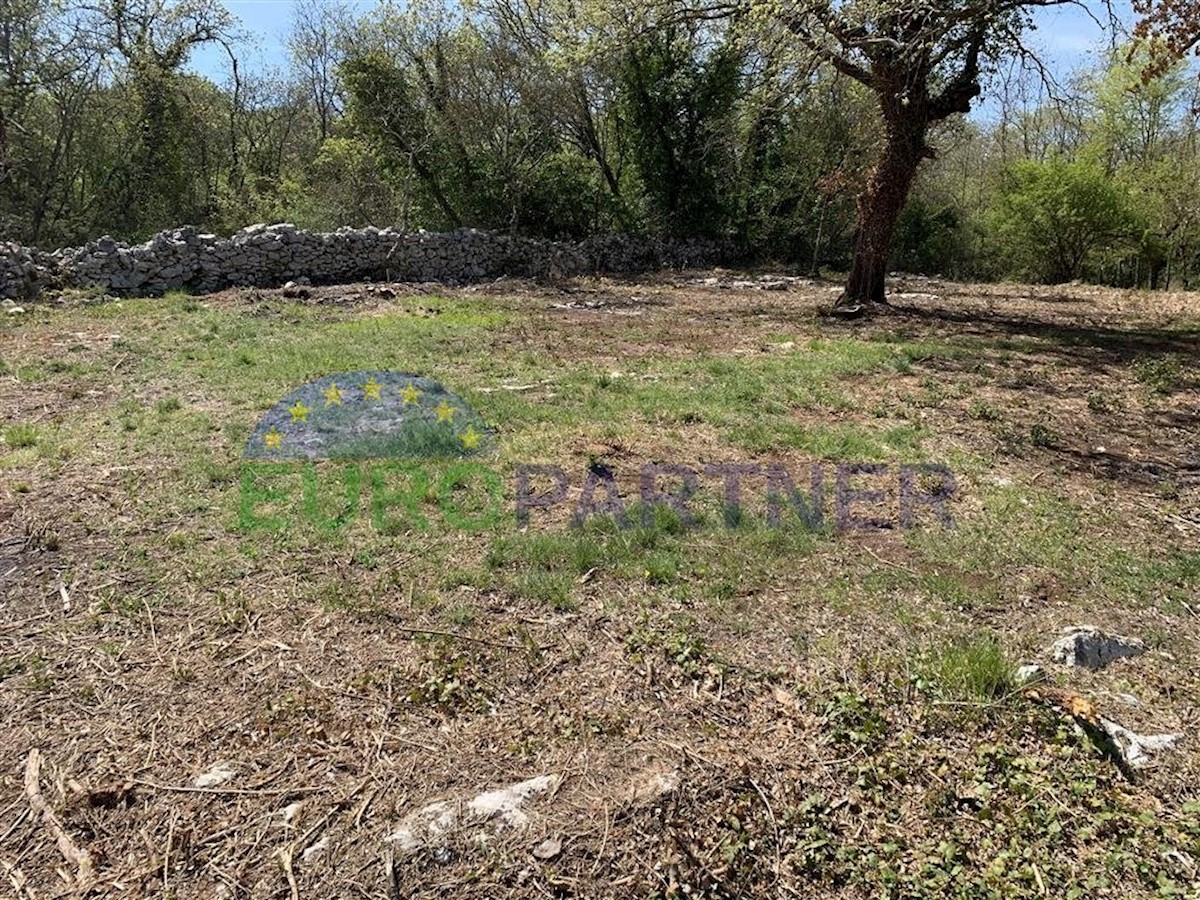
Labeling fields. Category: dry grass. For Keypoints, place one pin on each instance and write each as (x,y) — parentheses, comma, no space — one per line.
(750,713)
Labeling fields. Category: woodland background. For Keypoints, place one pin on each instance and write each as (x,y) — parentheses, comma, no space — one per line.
(530,120)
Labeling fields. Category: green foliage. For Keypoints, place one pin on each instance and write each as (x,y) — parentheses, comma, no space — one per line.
(19,436)
(1161,374)
(928,238)
(567,122)
(347,182)
(460,121)
(679,103)
(969,669)
(1052,220)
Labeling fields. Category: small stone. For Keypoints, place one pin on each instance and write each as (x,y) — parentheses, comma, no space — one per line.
(218,774)
(289,812)
(1030,673)
(296,291)
(548,849)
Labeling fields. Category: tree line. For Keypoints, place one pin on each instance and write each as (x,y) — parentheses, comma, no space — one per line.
(759,125)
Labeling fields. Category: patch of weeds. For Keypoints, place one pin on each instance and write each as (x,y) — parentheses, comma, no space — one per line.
(983,411)
(1167,490)
(451,680)
(845,442)
(661,568)
(168,405)
(19,436)
(179,302)
(303,715)
(178,540)
(853,718)
(366,558)
(37,667)
(969,669)
(1043,436)
(478,579)
(1099,402)
(721,589)
(461,614)
(45,539)
(574,552)
(552,589)
(22,487)
(678,645)
(1161,374)
(817,851)
(3,367)
(338,596)
(211,472)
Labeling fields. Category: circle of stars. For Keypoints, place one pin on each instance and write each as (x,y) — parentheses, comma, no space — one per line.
(372,390)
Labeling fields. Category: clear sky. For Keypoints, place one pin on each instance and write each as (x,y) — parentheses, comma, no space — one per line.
(1067,37)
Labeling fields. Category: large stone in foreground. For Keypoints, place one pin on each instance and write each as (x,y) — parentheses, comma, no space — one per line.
(1091,648)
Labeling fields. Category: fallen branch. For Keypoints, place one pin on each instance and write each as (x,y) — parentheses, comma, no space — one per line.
(33,793)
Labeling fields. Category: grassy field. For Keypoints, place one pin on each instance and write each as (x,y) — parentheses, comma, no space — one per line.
(726,706)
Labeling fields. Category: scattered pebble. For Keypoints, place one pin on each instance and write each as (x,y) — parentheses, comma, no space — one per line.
(310,852)
(1030,673)
(217,775)
(289,812)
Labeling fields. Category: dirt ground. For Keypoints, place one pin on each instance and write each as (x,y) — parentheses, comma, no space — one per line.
(192,712)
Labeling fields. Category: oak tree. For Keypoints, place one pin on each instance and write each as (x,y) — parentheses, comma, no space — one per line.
(923,60)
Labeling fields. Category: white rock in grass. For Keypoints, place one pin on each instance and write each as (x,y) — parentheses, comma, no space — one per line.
(506,803)
(647,787)
(1029,674)
(289,812)
(310,852)
(1137,749)
(429,824)
(425,826)
(217,775)
(1088,646)
(548,849)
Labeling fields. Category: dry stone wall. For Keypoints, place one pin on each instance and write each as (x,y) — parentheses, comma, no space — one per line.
(271,255)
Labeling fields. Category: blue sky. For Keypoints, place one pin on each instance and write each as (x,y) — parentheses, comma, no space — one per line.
(1066,36)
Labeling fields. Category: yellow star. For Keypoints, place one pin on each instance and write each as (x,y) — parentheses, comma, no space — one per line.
(445,412)
(333,396)
(299,412)
(372,390)
(470,437)
(272,439)
(410,394)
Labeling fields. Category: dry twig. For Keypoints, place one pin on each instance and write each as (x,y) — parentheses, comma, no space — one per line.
(67,847)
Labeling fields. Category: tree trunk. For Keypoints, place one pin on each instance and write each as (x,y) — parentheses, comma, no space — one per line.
(879,208)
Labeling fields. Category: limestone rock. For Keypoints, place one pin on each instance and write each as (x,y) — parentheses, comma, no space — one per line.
(1091,648)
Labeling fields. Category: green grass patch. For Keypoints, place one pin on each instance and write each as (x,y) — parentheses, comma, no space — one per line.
(20,436)
(974,668)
